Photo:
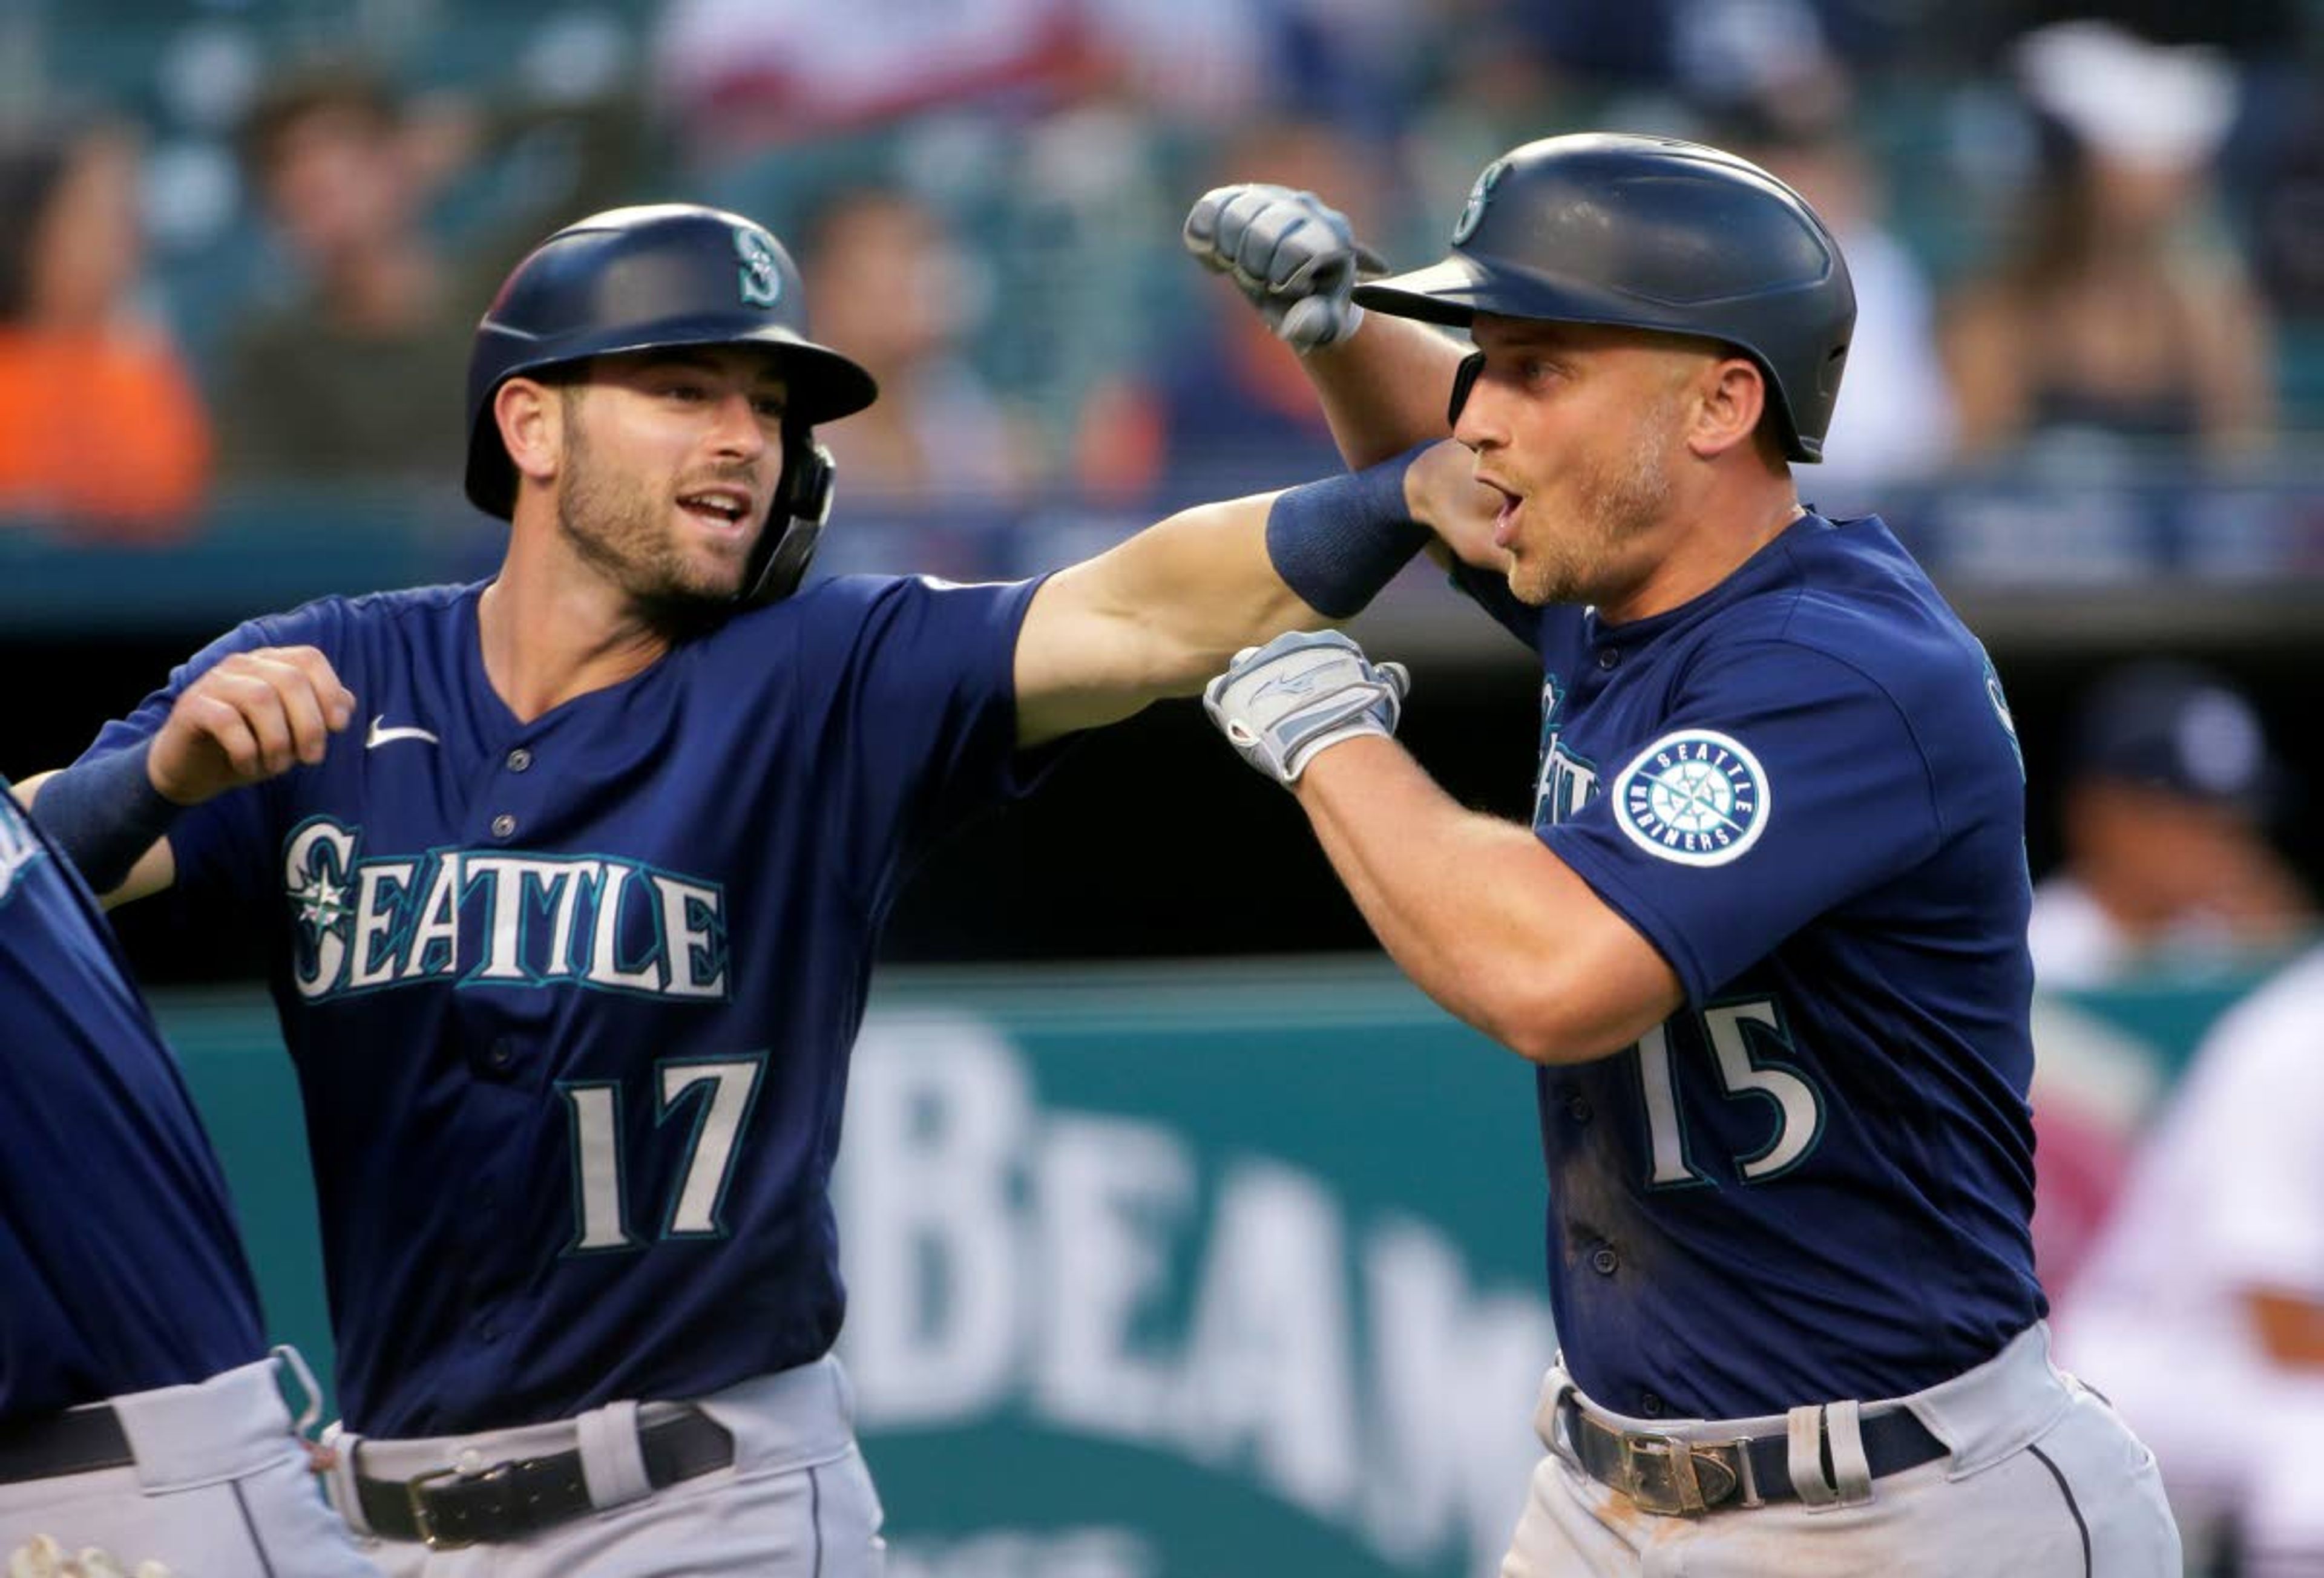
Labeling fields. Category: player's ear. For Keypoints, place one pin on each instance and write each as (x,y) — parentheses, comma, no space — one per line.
(531,420)
(1731,397)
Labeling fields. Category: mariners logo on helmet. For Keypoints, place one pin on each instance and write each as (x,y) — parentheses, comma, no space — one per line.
(763,277)
(1473,212)
(1695,796)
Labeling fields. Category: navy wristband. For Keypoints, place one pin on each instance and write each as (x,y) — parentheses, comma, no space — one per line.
(1337,541)
(104,813)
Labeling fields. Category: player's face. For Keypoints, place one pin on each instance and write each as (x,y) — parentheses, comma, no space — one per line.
(669,469)
(1581,429)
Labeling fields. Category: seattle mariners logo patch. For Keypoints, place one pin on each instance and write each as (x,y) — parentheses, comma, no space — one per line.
(1695,796)
(1472,213)
(762,278)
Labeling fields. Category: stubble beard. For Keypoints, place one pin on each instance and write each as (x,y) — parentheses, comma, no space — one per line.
(1617,500)
(616,526)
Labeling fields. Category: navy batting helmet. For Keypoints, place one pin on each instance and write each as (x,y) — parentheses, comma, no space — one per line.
(1649,232)
(648,279)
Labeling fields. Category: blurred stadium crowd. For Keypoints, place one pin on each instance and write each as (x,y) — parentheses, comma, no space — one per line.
(247,241)
(249,237)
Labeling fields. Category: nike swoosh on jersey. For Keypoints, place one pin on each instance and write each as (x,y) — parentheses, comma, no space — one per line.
(379,734)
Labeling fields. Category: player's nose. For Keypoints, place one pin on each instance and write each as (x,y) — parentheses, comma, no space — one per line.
(1482,423)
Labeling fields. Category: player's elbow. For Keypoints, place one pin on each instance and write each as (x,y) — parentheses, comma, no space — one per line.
(1570,1015)
(1555,1040)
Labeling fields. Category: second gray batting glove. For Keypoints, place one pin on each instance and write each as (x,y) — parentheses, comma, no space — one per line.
(1292,255)
(1283,704)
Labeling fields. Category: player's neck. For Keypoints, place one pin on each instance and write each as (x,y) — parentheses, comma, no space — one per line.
(1702,547)
(546,641)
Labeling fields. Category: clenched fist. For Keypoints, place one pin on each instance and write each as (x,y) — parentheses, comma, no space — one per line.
(1292,255)
(252,717)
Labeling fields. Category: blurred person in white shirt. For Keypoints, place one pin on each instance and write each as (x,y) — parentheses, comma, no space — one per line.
(2202,1301)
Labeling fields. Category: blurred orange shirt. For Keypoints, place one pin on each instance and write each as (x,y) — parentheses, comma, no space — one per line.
(102,433)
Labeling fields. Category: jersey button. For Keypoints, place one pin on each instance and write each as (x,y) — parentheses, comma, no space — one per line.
(1604,1260)
(503,825)
(1577,1107)
(1609,657)
(1651,1405)
(519,759)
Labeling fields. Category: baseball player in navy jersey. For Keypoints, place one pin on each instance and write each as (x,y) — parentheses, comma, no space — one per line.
(139,1408)
(575,878)
(1765,938)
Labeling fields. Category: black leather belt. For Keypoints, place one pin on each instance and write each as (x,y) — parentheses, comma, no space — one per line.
(80,1441)
(1664,1473)
(445,1510)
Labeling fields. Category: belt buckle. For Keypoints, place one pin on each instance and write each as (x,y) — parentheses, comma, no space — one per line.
(423,1522)
(1661,1473)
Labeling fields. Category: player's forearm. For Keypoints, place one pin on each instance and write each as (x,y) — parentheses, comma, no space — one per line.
(1161,613)
(1153,617)
(119,850)
(1384,387)
(1479,913)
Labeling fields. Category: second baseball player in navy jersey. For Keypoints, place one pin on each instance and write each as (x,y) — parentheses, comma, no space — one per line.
(138,1406)
(1817,818)
(594,977)
(573,880)
(141,1283)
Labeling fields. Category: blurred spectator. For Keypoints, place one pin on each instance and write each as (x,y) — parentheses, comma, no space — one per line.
(893,290)
(740,76)
(736,76)
(1896,415)
(1226,408)
(2120,311)
(2167,861)
(2200,1309)
(101,431)
(356,376)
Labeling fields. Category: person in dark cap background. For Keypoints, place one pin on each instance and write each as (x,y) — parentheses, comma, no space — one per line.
(2167,859)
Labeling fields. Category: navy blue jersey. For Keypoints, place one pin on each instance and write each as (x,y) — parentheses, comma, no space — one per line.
(571,1000)
(120,1267)
(1815,1180)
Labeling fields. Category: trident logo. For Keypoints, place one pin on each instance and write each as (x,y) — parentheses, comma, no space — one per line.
(762,278)
(1472,213)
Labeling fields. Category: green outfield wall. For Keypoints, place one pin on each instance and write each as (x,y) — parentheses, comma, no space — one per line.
(1170,1272)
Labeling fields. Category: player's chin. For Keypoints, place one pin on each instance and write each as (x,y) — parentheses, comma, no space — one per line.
(1532,585)
(702,579)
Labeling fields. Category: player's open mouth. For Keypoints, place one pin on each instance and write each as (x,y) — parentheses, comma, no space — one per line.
(1505,519)
(724,509)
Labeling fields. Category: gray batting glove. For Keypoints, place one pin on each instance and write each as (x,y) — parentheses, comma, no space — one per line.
(1294,256)
(1284,703)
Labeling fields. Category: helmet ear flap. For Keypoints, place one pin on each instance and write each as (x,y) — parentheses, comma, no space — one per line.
(1472,367)
(795,524)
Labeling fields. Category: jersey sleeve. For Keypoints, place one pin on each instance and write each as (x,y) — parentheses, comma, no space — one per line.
(929,709)
(222,847)
(1782,783)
